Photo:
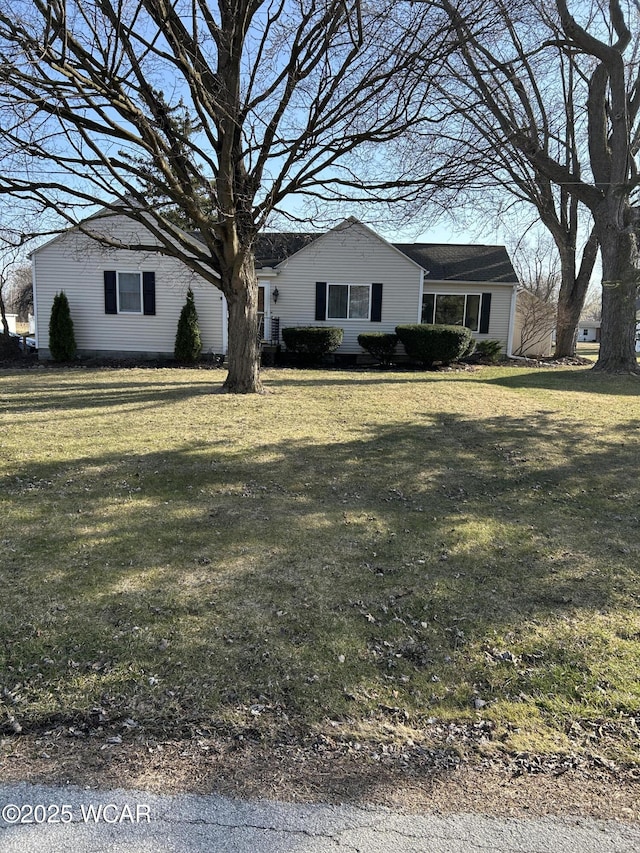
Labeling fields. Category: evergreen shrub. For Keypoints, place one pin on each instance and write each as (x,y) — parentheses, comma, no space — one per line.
(188,344)
(9,346)
(311,343)
(489,350)
(431,343)
(380,345)
(62,341)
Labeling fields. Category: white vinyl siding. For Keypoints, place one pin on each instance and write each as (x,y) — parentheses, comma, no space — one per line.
(353,255)
(76,264)
(500,313)
(350,256)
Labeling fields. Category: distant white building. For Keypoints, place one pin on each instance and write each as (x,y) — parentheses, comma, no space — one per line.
(589,333)
(11,320)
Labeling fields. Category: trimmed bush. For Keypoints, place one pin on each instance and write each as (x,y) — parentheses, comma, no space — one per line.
(489,350)
(429,343)
(470,350)
(188,344)
(9,347)
(62,341)
(311,343)
(381,345)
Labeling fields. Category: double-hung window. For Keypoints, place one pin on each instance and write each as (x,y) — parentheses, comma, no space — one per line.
(349,302)
(129,293)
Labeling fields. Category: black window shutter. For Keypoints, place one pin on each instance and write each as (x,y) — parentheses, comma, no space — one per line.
(376,303)
(149,292)
(110,297)
(485,310)
(321,300)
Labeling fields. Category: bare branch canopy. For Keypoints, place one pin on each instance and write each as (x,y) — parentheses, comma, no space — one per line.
(225,111)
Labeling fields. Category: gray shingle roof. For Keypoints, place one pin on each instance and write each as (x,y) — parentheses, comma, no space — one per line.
(451,262)
(273,248)
(444,262)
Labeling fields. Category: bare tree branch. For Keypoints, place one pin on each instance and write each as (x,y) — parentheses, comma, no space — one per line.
(225,110)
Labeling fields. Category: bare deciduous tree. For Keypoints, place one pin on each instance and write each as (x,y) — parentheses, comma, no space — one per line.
(20,294)
(224,109)
(524,67)
(537,265)
(14,241)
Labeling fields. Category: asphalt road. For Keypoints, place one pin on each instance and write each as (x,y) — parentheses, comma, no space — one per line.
(38,819)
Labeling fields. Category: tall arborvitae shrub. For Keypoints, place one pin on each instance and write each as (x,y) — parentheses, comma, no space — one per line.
(188,343)
(62,341)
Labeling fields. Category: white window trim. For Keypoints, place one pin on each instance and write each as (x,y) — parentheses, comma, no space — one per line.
(351,284)
(453,293)
(129,272)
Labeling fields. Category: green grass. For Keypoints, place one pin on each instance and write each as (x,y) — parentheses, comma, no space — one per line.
(354,553)
(588,350)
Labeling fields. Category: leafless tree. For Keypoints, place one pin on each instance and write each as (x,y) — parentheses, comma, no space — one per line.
(226,110)
(20,293)
(592,311)
(527,69)
(13,245)
(538,268)
(500,180)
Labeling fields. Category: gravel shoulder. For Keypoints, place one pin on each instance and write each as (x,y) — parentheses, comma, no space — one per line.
(338,773)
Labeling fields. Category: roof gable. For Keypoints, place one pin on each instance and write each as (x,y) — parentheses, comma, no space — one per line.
(272,249)
(440,261)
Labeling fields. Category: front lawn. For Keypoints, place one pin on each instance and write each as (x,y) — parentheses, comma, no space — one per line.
(367,556)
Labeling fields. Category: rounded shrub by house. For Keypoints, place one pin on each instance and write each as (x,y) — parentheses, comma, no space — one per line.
(380,345)
(489,350)
(431,343)
(311,343)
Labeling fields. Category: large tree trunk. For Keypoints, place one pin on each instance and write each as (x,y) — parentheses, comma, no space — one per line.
(619,287)
(573,291)
(241,292)
(570,302)
(566,329)
(3,317)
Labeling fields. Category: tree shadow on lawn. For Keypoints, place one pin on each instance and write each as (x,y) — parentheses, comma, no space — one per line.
(373,583)
(145,389)
(549,378)
(555,379)
(331,377)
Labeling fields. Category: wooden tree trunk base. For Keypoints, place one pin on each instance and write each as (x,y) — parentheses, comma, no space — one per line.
(616,367)
(231,386)
(564,351)
(566,337)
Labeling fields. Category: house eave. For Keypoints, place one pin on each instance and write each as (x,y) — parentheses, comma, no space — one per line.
(467,281)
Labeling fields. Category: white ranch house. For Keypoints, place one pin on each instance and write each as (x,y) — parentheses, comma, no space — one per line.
(126,303)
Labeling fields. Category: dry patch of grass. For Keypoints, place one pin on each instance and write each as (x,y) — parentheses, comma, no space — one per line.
(355,555)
